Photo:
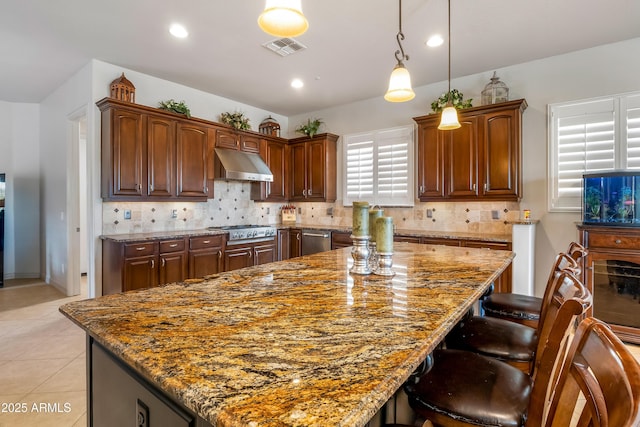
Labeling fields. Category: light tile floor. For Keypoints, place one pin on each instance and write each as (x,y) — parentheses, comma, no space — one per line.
(42,360)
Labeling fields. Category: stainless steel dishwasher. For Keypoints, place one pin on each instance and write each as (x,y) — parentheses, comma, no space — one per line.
(314,241)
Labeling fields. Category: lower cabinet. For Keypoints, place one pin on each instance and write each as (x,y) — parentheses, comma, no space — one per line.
(120,397)
(295,242)
(205,255)
(284,244)
(246,254)
(173,261)
(341,239)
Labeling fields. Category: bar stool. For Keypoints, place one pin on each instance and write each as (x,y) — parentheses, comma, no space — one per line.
(467,389)
(508,341)
(525,309)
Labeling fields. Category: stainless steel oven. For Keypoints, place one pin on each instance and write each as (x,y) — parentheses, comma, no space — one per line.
(314,241)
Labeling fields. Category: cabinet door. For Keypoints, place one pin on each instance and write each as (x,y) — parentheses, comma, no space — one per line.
(250,143)
(236,257)
(316,170)
(124,137)
(226,138)
(340,240)
(430,162)
(284,246)
(203,262)
(173,268)
(191,160)
(264,253)
(298,168)
(501,154)
(462,160)
(275,154)
(139,273)
(295,243)
(161,142)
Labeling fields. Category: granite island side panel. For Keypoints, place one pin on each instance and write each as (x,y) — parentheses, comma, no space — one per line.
(293,343)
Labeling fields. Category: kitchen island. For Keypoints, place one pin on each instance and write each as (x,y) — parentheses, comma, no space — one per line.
(293,343)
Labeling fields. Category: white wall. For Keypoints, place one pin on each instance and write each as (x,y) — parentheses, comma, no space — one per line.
(608,69)
(19,160)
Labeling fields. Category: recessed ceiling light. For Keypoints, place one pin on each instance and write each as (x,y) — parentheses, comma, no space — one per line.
(178,31)
(435,40)
(297,83)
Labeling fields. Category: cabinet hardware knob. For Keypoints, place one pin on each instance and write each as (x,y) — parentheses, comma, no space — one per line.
(250,254)
(153,264)
(173,245)
(141,248)
(206,242)
(219,254)
(309,192)
(164,262)
(618,241)
(304,193)
(485,186)
(421,189)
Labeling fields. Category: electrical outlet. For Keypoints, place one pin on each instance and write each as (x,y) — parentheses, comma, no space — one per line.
(329,211)
(268,211)
(174,213)
(127,214)
(429,213)
(495,215)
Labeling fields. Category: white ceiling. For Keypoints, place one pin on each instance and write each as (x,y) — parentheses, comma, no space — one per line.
(350,43)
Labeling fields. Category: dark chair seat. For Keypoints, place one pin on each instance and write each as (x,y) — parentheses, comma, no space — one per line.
(507,341)
(495,394)
(515,306)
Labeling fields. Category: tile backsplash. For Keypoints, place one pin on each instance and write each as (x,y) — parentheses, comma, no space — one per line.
(232,205)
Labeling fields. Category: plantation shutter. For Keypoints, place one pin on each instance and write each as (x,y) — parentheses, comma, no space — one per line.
(379,167)
(631,127)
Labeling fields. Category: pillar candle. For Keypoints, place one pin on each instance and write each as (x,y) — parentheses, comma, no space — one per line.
(360,219)
(384,234)
(374,214)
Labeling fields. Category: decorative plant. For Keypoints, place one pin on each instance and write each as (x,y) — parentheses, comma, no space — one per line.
(310,128)
(176,107)
(237,120)
(592,202)
(457,99)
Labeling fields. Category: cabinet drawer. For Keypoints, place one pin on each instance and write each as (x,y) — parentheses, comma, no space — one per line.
(139,249)
(504,246)
(203,242)
(408,239)
(167,246)
(341,238)
(597,240)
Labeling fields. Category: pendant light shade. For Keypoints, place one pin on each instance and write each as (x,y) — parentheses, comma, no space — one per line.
(449,117)
(283,18)
(400,80)
(399,85)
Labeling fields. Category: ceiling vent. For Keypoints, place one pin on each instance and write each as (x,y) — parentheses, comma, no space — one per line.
(285,46)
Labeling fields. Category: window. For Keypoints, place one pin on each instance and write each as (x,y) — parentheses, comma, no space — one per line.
(378,167)
(588,136)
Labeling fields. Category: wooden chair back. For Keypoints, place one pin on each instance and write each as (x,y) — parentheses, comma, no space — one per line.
(599,383)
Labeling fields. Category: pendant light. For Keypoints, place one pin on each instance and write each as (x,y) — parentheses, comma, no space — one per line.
(283,18)
(400,80)
(449,118)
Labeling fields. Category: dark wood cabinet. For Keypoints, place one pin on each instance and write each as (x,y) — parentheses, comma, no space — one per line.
(341,239)
(482,160)
(172,261)
(247,254)
(237,140)
(611,271)
(313,168)
(205,255)
(136,265)
(295,242)
(284,244)
(275,153)
(120,397)
(149,154)
(192,143)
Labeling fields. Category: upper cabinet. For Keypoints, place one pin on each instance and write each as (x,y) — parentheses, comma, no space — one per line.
(313,168)
(237,140)
(480,160)
(275,153)
(148,154)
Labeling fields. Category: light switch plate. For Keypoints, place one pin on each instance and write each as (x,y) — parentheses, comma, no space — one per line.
(127,214)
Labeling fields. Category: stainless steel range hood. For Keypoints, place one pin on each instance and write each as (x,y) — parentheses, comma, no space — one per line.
(241,166)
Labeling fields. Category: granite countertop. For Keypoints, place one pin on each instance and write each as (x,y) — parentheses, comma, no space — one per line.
(400,231)
(292,343)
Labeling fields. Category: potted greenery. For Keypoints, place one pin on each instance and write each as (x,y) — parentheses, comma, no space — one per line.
(175,107)
(457,99)
(237,120)
(310,128)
